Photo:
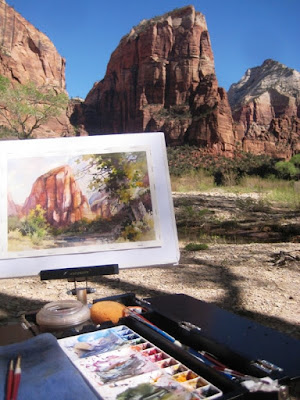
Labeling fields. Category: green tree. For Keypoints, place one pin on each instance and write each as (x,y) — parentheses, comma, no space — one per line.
(34,224)
(124,176)
(26,107)
(296,160)
(287,169)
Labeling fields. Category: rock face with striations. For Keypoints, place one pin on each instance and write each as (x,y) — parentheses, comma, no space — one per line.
(266,110)
(162,77)
(60,196)
(26,54)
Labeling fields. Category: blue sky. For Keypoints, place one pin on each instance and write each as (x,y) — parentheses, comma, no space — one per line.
(243,33)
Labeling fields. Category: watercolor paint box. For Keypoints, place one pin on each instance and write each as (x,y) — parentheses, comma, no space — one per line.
(120,364)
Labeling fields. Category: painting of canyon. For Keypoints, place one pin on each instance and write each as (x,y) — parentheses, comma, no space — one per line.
(85,202)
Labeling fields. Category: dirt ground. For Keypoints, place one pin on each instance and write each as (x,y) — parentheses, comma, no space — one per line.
(258,280)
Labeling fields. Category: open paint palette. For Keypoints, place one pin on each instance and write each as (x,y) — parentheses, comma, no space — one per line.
(120,364)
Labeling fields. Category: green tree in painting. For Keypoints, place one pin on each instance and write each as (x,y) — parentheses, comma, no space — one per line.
(26,107)
(124,176)
(35,225)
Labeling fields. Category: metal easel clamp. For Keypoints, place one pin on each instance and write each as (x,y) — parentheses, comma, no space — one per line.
(189,326)
(81,292)
(266,366)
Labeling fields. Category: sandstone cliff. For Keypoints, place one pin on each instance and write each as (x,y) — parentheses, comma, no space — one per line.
(162,77)
(26,54)
(266,110)
(59,195)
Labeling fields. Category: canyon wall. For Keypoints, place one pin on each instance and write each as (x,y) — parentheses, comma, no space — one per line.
(161,77)
(26,54)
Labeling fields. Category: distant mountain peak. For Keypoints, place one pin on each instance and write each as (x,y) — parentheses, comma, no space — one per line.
(269,62)
(271,75)
(266,108)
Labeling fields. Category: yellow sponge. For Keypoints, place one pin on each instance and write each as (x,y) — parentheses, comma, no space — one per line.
(107,311)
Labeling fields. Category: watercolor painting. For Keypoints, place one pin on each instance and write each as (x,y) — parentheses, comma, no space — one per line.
(84,202)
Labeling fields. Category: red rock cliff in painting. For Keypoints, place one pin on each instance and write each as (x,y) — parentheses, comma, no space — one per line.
(26,54)
(60,196)
(162,77)
(266,109)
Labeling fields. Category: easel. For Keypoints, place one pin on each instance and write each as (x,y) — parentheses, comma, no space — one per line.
(80,275)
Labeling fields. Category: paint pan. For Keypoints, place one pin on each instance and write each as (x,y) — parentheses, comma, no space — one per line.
(120,364)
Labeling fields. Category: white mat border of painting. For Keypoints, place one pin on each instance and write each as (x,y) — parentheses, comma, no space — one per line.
(163,250)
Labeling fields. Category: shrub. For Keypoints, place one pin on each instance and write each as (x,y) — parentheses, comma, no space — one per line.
(287,169)
(249,204)
(35,225)
(192,215)
(296,160)
(136,230)
(196,246)
(228,171)
(177,112)
(13,223)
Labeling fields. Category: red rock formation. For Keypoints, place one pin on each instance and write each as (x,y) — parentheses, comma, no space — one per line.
(60,196)
(26,54)
(266,110)
(162,77)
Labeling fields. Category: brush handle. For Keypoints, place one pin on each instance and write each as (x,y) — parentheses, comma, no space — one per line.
(17,378)
(9,381)
(152,326)
(15,390)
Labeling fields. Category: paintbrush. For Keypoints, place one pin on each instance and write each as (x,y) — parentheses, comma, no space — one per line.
(130,313)
(10,377)
(17,378)
(203,356)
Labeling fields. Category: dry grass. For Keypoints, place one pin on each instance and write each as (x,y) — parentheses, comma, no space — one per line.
(287,193)
(193,181)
